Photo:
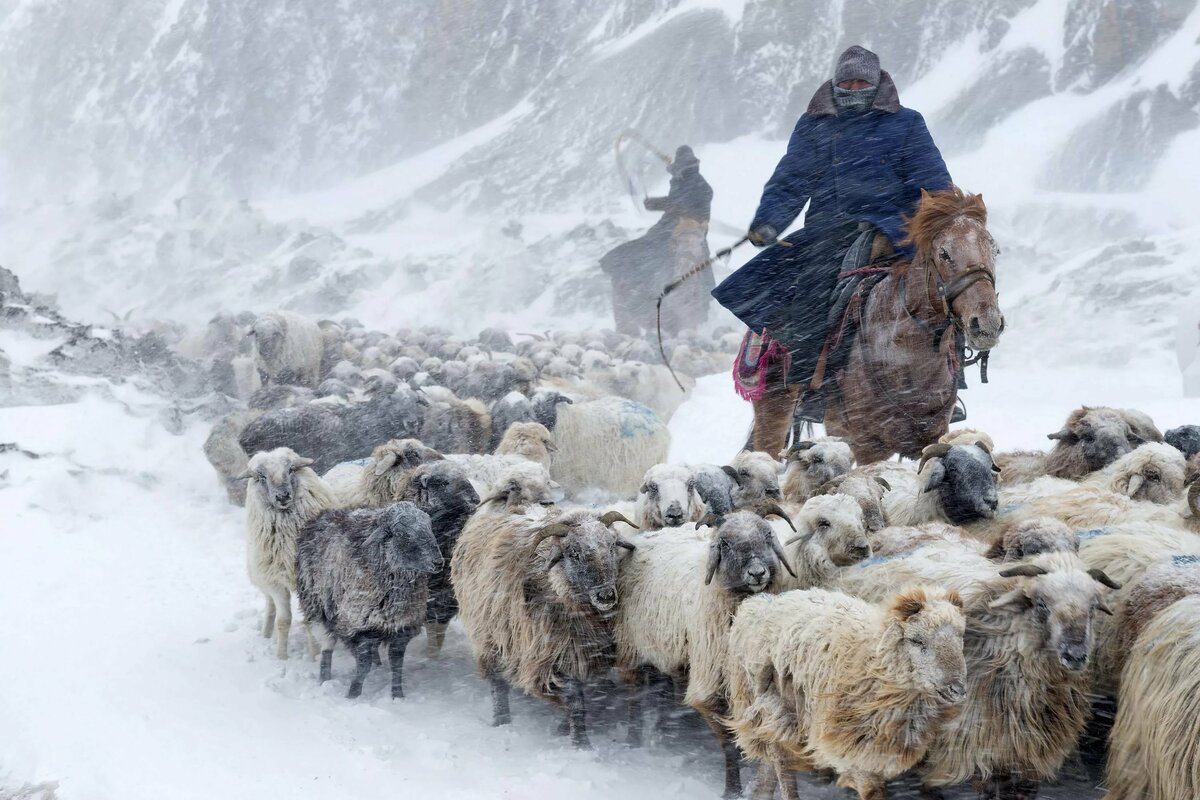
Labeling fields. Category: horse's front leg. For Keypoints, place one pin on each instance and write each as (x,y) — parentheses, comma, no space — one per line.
(773,413)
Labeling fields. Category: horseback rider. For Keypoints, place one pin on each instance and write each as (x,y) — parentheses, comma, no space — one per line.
(862,159)
(675,244)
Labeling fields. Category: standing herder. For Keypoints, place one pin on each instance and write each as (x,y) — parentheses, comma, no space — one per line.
(674,245)
(862,159)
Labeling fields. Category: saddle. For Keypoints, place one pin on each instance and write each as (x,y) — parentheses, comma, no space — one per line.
(868,261)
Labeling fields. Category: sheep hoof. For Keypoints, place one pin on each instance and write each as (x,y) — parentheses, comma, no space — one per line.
(355,691)
(635,738)
(501,719)
(435,637)
(563,729)
(581,742)
(326,665)
(397,693)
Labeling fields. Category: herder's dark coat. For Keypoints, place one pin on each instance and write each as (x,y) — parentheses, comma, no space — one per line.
(866,167)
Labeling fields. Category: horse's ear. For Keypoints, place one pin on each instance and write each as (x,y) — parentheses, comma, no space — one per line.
(924,195)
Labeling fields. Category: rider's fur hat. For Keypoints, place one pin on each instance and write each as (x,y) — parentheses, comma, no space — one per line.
(684,159)
(857,64)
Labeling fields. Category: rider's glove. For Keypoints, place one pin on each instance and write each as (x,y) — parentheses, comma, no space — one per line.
(763,236)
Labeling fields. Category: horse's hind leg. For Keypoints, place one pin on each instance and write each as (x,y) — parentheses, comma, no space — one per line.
(773,413)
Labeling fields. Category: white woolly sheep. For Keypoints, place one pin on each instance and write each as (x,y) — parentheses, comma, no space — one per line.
(957,484)
(509,484)
(821,680)
(812,464)
(1090,439)
(678,593)
(607,444)
(529,440)
(1154,747)
(457,426)
(284,494)
(537,598)
(362,577)
(867,490)
(829,536)
(1158,587)
(288,348)
(668,498)
(374,481)
(1028,642)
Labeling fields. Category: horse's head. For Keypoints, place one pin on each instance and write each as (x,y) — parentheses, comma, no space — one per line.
(953,243)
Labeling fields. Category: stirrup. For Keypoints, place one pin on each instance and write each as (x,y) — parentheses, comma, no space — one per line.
(959,414)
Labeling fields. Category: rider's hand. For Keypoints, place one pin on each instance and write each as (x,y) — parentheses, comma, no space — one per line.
(763,236)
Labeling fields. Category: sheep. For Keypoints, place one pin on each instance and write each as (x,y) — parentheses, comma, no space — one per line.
(757,479)
(829,536)
(1185,439)
(333,344)
(1091,439)
(362,577)
(284,494)
(1141,426)
(607,444)
(509,484)
(968,436)
(867,490)
(1033,537)
(376,480)
(496,339)
(545,407)
(1154,748)
(537,599)
(648,384)
(313,430)
(1152,473)
(820,680)
(668,498)
(1157,588)
(457,426)
(441,490)
(489,381)
(957,485)
(678,593)
(288,348)
(529,440)
(1028,642)
(222,450)
(1126,552)
(811,465)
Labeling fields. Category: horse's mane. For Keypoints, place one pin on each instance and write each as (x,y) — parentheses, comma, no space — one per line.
(938,210)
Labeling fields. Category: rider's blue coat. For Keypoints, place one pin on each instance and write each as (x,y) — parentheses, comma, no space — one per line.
(868,167)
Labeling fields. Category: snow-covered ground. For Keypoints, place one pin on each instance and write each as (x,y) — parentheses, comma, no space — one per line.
(135,668)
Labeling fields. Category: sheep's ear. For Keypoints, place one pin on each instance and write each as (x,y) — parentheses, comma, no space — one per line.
(1015,600)
(1064,435)
(1099,576)
(551,447)
(1104,609)
(732,473)
(385,463)
(936,475)
(304,462)
(244,475)
(1024,571)
(710,519)
(714,561)
(1136,480)
(424,479)
(908,604)
(644,489)
(995,551)
(1192,478)
(887,487)
(955,599)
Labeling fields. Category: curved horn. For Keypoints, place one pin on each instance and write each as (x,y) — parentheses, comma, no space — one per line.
(887,487)
(626,545)
(773,510)
(384,464)
(714,561)
(801,538)
(831,486)
(781,555)
(711,520)
(609,517)
(732,473)
(933,451)
(491,498)
(1099,576)
(554,529)
(1102,607)
(1023,570)
(1189,480)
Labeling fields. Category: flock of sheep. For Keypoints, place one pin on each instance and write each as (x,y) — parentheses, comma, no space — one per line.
(955,618)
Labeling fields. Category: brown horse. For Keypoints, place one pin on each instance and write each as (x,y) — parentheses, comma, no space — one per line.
(899,385)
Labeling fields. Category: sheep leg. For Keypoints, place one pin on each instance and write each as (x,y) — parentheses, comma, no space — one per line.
(787,782)
(637,683)
(269,623)
(435,637)
(733,756)
(396,648)
(501,715)
(764,782)
(576,707)
(283,621)
(326,665)
(365,652)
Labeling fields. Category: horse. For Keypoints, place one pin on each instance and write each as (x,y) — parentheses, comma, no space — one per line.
(900,382)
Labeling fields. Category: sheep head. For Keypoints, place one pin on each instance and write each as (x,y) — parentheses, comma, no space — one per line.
(867,491)
(1185,439)
(1058,596)
(964,477)
(268,332)
(525,485)
(1152,473)
(821,460)
(926,633)
(1091,439)
(668,497)
(275,476)
(831,526)
(441,489)
(756,476)
(405,537)
(1033,537)
(581,553)
(746,551)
